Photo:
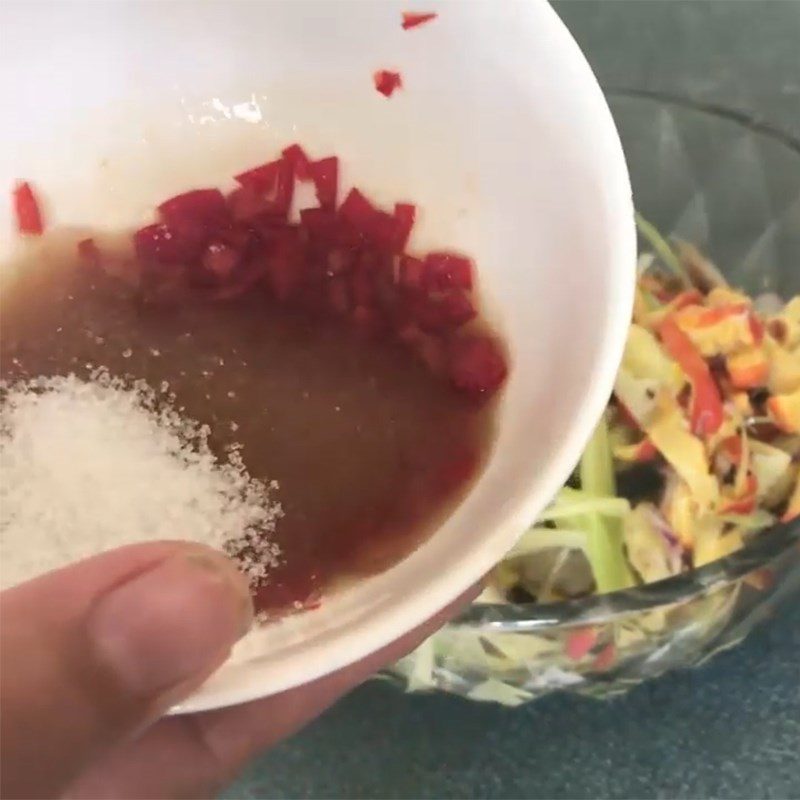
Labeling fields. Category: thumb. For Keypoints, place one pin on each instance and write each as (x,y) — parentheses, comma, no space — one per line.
(91,653)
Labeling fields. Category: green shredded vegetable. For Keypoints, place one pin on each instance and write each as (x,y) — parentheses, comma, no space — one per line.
(604,544)
(585,503)
(662,248)
(539,538)
(748,523)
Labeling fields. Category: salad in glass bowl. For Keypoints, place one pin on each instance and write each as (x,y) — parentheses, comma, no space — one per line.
(680,526)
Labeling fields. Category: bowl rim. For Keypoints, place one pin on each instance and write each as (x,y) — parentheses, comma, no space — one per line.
(765,548)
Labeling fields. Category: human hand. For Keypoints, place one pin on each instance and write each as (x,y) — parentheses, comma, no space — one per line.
(91,656)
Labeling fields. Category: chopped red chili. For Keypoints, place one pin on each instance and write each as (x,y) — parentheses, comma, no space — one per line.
(448,271)
(29,214)
(477,367)
(349,262)
(386,81)
(325,174)
(413,19)
(88,252)
(299,161)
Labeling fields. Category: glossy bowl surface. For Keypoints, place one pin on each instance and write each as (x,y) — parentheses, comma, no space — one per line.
(501,136)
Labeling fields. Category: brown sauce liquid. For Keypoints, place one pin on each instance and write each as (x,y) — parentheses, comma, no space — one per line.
(370,450)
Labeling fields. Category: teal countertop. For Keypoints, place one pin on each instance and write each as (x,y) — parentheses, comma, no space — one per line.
(730,729)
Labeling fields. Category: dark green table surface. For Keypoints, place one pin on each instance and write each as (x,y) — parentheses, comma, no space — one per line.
(730,729)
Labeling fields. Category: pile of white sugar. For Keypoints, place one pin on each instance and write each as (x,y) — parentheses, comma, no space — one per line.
(90,465)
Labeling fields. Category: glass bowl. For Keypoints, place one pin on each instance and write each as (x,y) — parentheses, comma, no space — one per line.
(731,186)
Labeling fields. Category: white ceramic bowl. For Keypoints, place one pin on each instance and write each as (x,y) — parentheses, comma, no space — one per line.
(500,134)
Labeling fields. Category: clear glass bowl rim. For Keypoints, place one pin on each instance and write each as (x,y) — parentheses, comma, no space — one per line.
(757,554)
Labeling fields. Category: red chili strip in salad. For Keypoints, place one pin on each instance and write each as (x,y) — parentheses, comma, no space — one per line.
(706,408)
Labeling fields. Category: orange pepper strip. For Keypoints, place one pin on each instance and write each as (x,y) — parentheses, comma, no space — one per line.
(712,316)
(748,369)
(732,447)
(688,297)
(745,504)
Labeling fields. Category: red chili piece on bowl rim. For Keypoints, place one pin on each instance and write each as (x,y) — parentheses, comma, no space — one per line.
(413,19)
(28,212)
(386,81)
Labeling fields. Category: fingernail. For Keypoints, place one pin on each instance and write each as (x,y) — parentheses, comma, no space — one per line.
(171,623)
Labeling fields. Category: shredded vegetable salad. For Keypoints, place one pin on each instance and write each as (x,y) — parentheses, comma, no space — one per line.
(698,449)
